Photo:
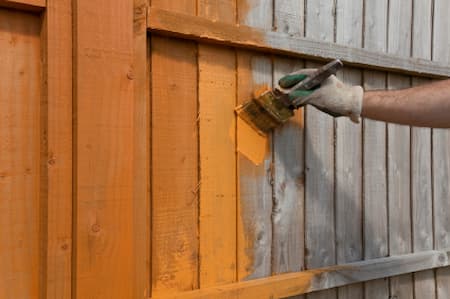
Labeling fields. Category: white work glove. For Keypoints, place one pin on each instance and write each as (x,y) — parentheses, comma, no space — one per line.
(332,96)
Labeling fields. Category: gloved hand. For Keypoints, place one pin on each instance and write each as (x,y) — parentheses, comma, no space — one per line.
(332,96)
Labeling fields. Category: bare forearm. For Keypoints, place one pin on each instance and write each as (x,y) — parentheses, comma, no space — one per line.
(423,106)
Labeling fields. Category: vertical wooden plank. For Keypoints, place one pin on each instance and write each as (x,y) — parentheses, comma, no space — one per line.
(217,100)
(289,17)
(141,207)
(174,176)
(288,154)
(20,145)
(289,188)
(399,156)
(374,153)
(104,149)
(254,177)
(441,153)
(348,164)
(174,166)
(57,51)
(421,183)
(319,160)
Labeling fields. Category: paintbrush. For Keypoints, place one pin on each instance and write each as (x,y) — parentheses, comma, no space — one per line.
(274,107)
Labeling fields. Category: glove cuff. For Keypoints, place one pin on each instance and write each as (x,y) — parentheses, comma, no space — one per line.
(357,94)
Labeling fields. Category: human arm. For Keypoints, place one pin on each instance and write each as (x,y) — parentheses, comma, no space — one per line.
(422,106)
(426,106)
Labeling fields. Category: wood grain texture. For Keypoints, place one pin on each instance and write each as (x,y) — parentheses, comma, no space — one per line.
(374,153)
(254,189)
(254,182)
(441,152)
(285,285)
(421,175)
(141,179)
(320,228)
(289,186)
(22,181)
(175,159)
(217,125)
(289,17)
(399,151)
(252,37)
(288,158)
(175,184)
(57,91)
(27,5)
(348,147)
(104,185)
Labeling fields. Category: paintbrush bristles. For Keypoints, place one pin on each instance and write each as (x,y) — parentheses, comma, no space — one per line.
(264,113)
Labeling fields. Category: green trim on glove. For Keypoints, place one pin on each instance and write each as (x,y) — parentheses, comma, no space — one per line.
(290,80)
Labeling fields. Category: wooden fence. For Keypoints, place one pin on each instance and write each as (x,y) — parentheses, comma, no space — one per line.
(124,172)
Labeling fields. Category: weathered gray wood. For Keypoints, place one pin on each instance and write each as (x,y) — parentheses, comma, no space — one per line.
(348,191)
(197,28)
(399,43)
(319,160)
(288,151)
(289,188)
(289,17)
(441,151)
(374,153)
(421,190)
(284,285)
(255,190)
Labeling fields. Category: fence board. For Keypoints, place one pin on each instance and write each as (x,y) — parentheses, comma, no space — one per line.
(217,99)
(319,161)
(374,154)
(56,275)
(104,149)
(348,156)
(399,155)
(284,285)
(175,176)
(141,195)
(421,183)
(288,158)
(254,185)
(22,182)
(174,166)
(441,153)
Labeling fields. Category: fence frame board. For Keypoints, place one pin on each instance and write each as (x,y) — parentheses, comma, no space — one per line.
(201,29)
(285,285)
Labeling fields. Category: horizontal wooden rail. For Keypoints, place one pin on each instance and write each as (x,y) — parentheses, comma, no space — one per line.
(28,5)
(201,29)
(292,284)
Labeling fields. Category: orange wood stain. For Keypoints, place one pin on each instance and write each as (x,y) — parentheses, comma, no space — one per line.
(251,144)
(20,138)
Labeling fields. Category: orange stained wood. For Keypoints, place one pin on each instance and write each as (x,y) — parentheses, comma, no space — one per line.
(175,185)
(56,269)
(31,5)
(141,217)
(175,155)
(20,135)
(104,224)
(217,94)
(217,100)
